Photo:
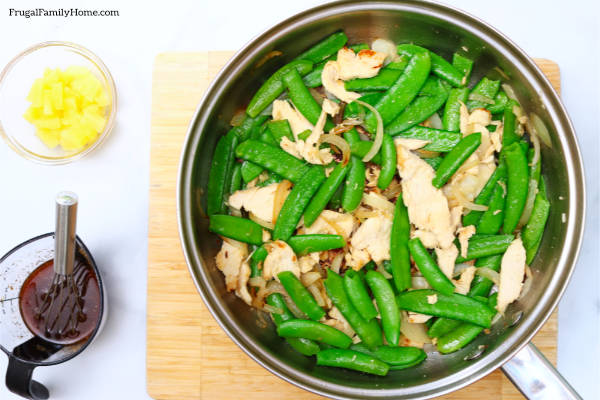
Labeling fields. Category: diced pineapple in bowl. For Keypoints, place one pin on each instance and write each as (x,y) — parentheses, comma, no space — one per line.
(57,102)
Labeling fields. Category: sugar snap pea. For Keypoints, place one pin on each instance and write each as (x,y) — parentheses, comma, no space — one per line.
(355,110)
(386,304)
(481,286)
(454,306)
(484,196)
(486,245)
(355,185)
(434,161)
(464,65)
(302,345)
(501,101)
(336,200)
(428,267)
(492,219)
(517,185)
(441,326)
(325,193)
(237,228)
(382,81)
(486,88)
(220,173)
(439,140)
(296,202)
(509,132)
(399,253)
(397,357)
(439,66)
(353,360)
(249,170)
(421,108)
(368,331)
(236,178)
(455,158)
(361,148)
(325,48)
(302,99)
(273,178)
(273,87)
(358,295)
(402,92)
(458,338)
(248,125)
(267,137)
(279,129)
(304,244)
(451,118)
(272,158)
(304,328)
(300,295)
(388,162)
(533,231)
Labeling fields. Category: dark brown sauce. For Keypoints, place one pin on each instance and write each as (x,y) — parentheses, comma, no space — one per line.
(56,315)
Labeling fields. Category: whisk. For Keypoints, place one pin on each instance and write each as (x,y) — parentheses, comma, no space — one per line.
(61,309)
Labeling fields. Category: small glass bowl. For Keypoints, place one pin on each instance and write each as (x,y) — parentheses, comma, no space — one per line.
(16,81)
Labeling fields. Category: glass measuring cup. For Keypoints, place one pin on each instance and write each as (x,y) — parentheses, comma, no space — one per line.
(26,351)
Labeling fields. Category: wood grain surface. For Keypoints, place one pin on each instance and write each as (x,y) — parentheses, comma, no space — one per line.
(188,354)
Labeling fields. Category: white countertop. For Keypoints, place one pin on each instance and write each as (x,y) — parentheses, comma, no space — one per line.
(112,183)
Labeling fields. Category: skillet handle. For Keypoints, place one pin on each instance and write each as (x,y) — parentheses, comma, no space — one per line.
(536,377)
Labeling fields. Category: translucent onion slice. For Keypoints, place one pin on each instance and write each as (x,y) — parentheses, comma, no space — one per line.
(338,142)
(415,332)
(257,281)
(314,290)
(531,193)
(279,199)
(271,309)
(310,277)
(418,282)
(540,129)
(489,274)
(510,92)
(460,197)
(383,272)
(435,121)
(336,263)
(379,133)
(378,202)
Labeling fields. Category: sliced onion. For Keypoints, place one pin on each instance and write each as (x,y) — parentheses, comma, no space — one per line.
(460,197)
(383,272)
(340,143)
(257,281)
(294,308)
(280,196)
(496,318)
(510,92)
(335,227)
(378,202)
(489,274)
(502,73)
(435,121)
(540,129)
(271,309)
(387,47)
(318,96)
(518,111)
(418,282)
(314,290)
(481,98)
(310,277)
(459,268)
(238,118)
(336,263)
(531,193)
(275,287)
(415,332)
(393,190)
(379,133)
(261,222)
(427,153)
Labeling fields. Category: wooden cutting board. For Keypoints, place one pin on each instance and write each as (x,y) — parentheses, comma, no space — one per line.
(188,354)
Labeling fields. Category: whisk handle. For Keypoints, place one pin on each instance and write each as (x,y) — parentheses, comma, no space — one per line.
(18,380)
(64,234)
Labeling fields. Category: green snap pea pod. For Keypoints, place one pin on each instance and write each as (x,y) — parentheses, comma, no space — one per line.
(272,158)
(279,129)
(481,286)
(304,134)
(255,268)
(486,88)
(517,185)
(325,194)
(421,108)
(259,254)
(249,170)
(382,81)
(267,137)
(484,196)
(399,253)
(509,132)
(455,158)
(325,48)
(454,306)
(273,178)
(302,99)
(486,245)
(313,78)
(492,219)
(368,331)
(434,161)
(386,303)
(354,110)
(439,66)
(303,346)
(355,185)
(402,92)
(313,330)
(358,295)
(501,101)
(451,118)
(336,200)
(361,148)
(273,87)
(352,136)
(388,162)
(429,268)
(304,244)
(236,228)
(353,360)
(248,125)
(220,171)
(397,357)
(439,140)
(532,233)
(464,65)
(458,338)
(532,251)
(296,202)
(236,178)
(441,326)
(300,295)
